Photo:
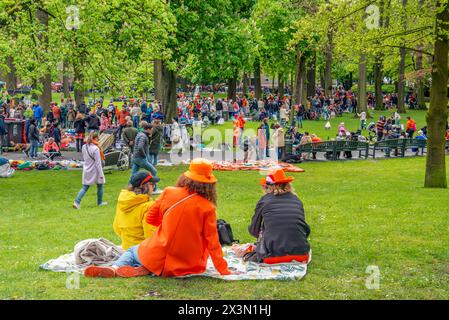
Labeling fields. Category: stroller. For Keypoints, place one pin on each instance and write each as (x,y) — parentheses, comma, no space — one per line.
(116,156)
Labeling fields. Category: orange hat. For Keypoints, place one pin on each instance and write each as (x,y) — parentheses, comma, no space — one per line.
(200,170)
(276,176)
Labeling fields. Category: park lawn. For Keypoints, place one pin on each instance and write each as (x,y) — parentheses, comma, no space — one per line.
(361,213)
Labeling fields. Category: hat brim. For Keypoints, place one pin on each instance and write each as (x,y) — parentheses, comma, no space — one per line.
(200,178)
(263,181)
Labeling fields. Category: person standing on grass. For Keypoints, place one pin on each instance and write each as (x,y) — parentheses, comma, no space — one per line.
(267,135)
(2,129)
(362,117)
(136,112)
(141,157)
(279,223)
(278,138)
(33,138)
(80,130)
(186,234)
(155,142)
(93,157)
(410,127)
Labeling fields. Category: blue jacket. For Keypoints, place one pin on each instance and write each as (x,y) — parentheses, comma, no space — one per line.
(38,112)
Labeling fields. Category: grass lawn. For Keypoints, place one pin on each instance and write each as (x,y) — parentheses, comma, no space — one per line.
(361,213)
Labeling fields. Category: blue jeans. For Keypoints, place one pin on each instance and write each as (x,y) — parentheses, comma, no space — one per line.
(139,163)
(153,158)
(34,146)
(38,122)
(300,121)
(83,191)
(129,258)
(136,121)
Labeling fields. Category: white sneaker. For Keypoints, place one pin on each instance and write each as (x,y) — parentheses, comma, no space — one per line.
(157,191)
(103,204)
(75,206)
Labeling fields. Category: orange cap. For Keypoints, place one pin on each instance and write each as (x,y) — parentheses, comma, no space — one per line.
(200,170)
(276,176)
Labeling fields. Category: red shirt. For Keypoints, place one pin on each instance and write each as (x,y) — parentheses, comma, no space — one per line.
(122,117)
(56,112)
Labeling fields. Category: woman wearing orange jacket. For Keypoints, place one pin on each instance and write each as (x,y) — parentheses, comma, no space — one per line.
(186,234)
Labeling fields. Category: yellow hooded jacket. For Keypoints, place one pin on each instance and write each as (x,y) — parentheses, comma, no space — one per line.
(130,218)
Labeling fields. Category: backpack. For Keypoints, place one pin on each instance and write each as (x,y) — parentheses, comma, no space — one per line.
(225,233)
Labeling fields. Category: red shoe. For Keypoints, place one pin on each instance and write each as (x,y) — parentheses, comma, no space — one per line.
(130,272)
(103,272)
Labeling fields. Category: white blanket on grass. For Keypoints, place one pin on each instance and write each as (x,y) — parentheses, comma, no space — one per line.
(246,270)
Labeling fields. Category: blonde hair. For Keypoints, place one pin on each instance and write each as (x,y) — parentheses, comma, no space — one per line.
(91,137)
(278,189)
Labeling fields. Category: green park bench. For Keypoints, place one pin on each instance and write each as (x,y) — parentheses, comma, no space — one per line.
(414,144)
(387,146)
(355,146)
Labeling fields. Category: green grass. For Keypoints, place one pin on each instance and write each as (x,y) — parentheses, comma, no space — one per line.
(361,213)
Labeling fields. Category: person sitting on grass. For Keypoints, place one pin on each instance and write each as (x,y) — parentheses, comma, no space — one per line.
(51,149)
(132,206)
(186,234)
(279,223)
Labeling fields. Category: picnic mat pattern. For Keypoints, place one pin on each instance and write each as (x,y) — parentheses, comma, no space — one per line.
(262,165)
(247,270)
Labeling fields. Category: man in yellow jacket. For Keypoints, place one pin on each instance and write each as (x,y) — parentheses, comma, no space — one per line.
(132,208)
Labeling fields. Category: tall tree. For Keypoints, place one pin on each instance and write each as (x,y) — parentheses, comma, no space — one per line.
(437,113)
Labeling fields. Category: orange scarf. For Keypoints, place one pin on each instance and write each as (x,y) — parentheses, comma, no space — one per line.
(101,150)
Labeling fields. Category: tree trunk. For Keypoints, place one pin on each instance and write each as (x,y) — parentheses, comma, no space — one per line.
(45,80)
(257,82)
(232,88)
(168,103)
(401,76)
(10,76)
(328,67)
(158,80)
(281,85)
(245,84)
(420,80)
(437,114)
(378,80)
(65,79)
(299,83)
(401,82)
(311,76)
(361,86)
(79,84)
(322,80)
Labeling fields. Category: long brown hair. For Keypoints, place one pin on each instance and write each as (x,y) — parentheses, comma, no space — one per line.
(278,189)
(206,190)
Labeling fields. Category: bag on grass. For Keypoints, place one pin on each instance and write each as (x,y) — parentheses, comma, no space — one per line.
(225,233)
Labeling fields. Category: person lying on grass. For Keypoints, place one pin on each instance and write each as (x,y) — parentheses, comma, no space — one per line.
(132,207)
(279,223)
(186,234)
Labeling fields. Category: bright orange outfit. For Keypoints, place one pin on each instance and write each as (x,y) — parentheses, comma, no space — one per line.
(50,146)
(411,124)
(185,237)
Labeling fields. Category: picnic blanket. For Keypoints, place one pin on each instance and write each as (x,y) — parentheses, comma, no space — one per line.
(247,270)
(262,165)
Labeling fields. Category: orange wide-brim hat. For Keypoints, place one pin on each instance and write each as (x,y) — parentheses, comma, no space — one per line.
(276,176)
(200,170)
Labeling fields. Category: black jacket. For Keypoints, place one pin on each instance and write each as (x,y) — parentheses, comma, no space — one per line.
(33,133)
(141,145)
(280,219)
(80,126)
(93,122)
(156,138)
